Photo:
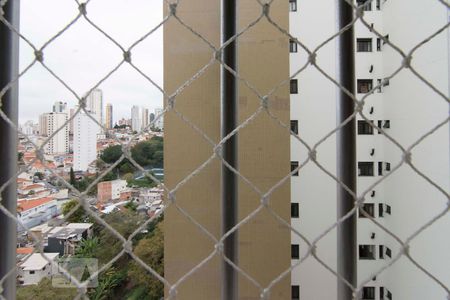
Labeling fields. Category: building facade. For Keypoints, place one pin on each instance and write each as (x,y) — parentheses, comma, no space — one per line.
(110,190)
(136,118)
(159,123)
(404,108)
(49,123)
(94,104)
(84,141)
(109,116)
(60,107)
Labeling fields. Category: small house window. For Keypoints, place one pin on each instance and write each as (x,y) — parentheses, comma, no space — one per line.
(295,251)
(294,165)
(294,126)
(295,292)
(378,44)
(388,252)
(380,210)
(295,210)
(381,251)
(388,209)
(364,45)
(364,85)
(365,168)
(294,86)
(292,46)
(364,127)
(368,293)
(292,5)
(366,251)
(368,208)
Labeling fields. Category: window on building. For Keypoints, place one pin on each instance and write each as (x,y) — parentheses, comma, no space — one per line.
(380,125)
(380,168)
(366,251)
(368,208)
(368,292)
(378,4)
(294,165)
(381,251)
(32,272)
(380,210)
(388,252)
(292,5)
(294,86)
(364,127)
(388,209)
(365,168)
(379,85)
(381,293)
(388,166)
(378,44)
(389,295)
(295,251)
(295,210)
(295,292)
(292,46)
(387,124)
(364,45)
(367,4)
(364,85)
(294,126)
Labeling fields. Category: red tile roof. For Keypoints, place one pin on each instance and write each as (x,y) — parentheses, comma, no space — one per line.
(29,204)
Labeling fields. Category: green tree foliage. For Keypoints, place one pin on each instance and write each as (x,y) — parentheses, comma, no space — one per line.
(72,177)
(128,177)
(149,153)
(111,154)
(45,291)
(107,282)
(79,216)
(126,167)
(151,251)
(39,175)
(19,156)
(87,248)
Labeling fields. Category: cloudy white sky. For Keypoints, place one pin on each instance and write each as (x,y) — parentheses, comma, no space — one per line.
(82,56)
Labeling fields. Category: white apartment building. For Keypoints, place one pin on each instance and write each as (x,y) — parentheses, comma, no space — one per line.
(144,118)
(94,103)
(136,118)
(84,141)
(406,109)
(60,107)
(48,124)
(33,268)
(160,122)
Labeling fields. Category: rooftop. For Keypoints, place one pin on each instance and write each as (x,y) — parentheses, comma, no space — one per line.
(36,261)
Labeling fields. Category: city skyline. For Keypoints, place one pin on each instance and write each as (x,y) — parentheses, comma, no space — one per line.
(72,56)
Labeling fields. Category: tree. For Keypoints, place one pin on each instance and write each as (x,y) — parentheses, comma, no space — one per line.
(144,152)
(111,154)
(79,216)
(128,177)
(87,248)
(20,156)
(72,177)
(126,168)
(151,251)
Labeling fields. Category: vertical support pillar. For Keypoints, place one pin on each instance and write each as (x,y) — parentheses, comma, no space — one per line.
(346,153)
(229,97)
(9,63)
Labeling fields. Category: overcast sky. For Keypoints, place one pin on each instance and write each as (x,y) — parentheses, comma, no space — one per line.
(82,55)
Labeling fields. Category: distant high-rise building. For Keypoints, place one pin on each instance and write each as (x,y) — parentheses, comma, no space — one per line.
(109,116)
(160,122)
(152,117)
(60,107)
(71,113)
(84,141)
(94,104)
(30,128)
(136,116)
(144,118)
(48,124)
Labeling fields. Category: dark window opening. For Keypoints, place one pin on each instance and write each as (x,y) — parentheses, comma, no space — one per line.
(292,46)
(387,124)
(388,166)
(388,209)
(388,252)
(295,292)
(378,44)
(380,168)
(292,5)
(294,86)
(380,210)
(364,85)
(364,45)
(381,251)
(379,85)
(367,4)
(364,127)
(295,251)
(294,126)
(294,165)
(381,293)
(368,208)
(295,210)
(366,251)
(365,168)
(389,295)
(378,4)
(368,293)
